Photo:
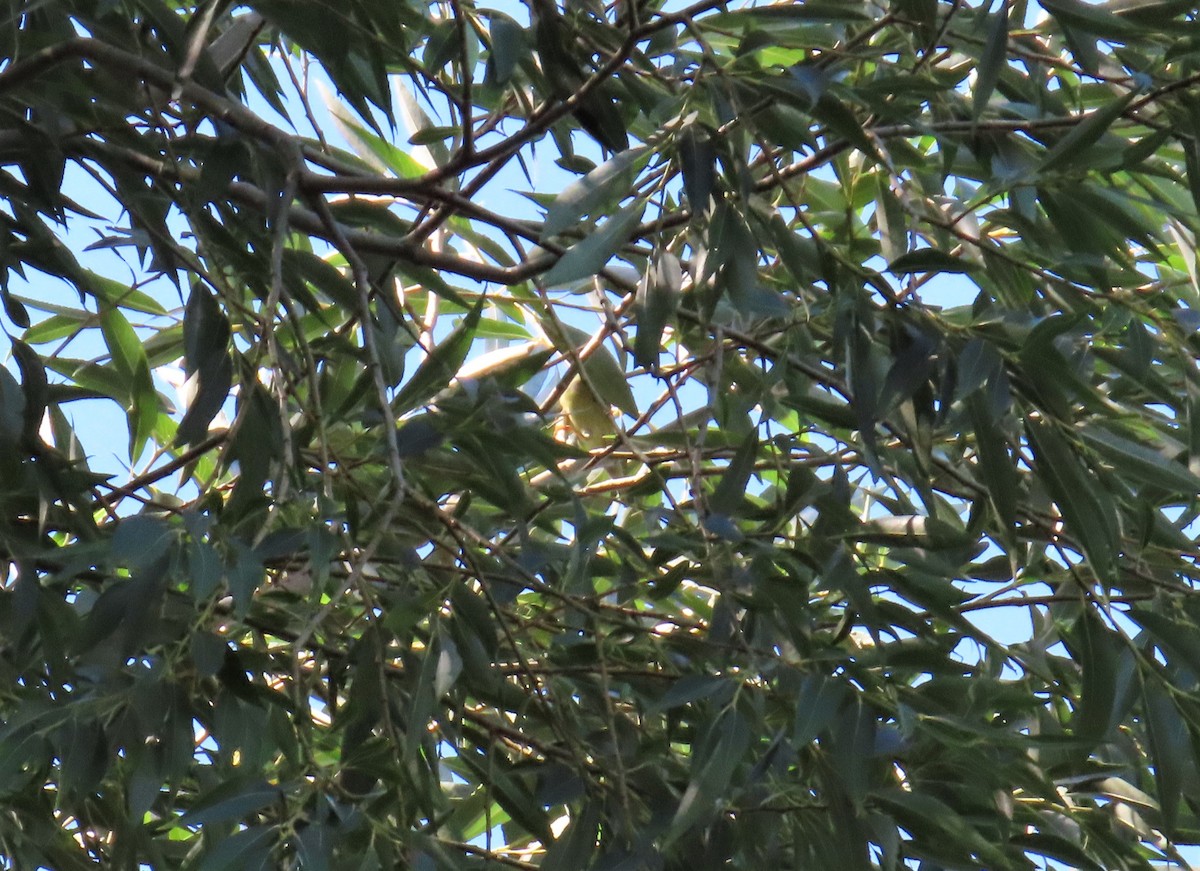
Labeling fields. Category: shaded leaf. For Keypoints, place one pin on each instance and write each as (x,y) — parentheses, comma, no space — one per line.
(440,365)
(1086,507)
(930,260)
(586,258)
(995,55)
(606,184)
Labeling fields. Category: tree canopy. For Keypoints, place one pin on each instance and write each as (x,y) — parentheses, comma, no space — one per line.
(726,435)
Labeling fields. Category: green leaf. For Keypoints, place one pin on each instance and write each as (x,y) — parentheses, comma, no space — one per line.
(375,150)
(132,367)
(1178,640)
(56,327)
(997,467)
(440,365)
(126,349)
(101,380)
(206,333)
(910,530)
(691,688)
(14,309)
(1170,749)
(995,56)
(1086,506)
(697,160)
(35,388)
(1086,132)
(114,293)
(817,703)
(231,801)
(85,757)
(245,850)
(1100,654)
(890,216)
(586,258)
(1141,462)
(851,747)
(144,409)
(657,302)
(325,277)
(574,847)
(510,46)
(930,260)
(978,364)
(140,540)
(1055,846)
(608,183)
(842,121)
(1092,18)
(919,811)
(727,498)
(712,770)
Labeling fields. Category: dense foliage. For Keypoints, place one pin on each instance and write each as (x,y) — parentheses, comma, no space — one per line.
(729,435)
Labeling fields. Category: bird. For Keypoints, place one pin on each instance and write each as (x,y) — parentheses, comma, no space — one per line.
(585,417)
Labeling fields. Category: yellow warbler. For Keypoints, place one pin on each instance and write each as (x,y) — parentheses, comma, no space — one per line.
(586,418)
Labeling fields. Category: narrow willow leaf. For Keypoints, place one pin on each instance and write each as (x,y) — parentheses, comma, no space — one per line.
(121,295)
(977,364)
(247,848)
(657,302)
(523,359)
(230,801)
(374,149)
(56,327)
(851,743)
(1177,639)
(206,333)
(842,121)
(919,811)
(586,258)
(713,768)
(510,46)
(910,531)
(1054,846)
(691,688)
(1085,133)
(730,493)
(995,55)
(140,540)
(910,372)
(574,847)
(930,260)
(1092,18)
(922,13)
(1141,462)
(889,215)
(1086,506)
(606,184)
(34,386)
(697,160)
(14,309)
(123,343)
(440,365)
(1170,749)
(817,703)
(1098,651)
(996,466)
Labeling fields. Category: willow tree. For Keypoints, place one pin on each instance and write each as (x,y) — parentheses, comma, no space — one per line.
(730,435)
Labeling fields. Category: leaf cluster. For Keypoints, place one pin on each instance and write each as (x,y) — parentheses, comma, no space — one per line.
(799,469)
